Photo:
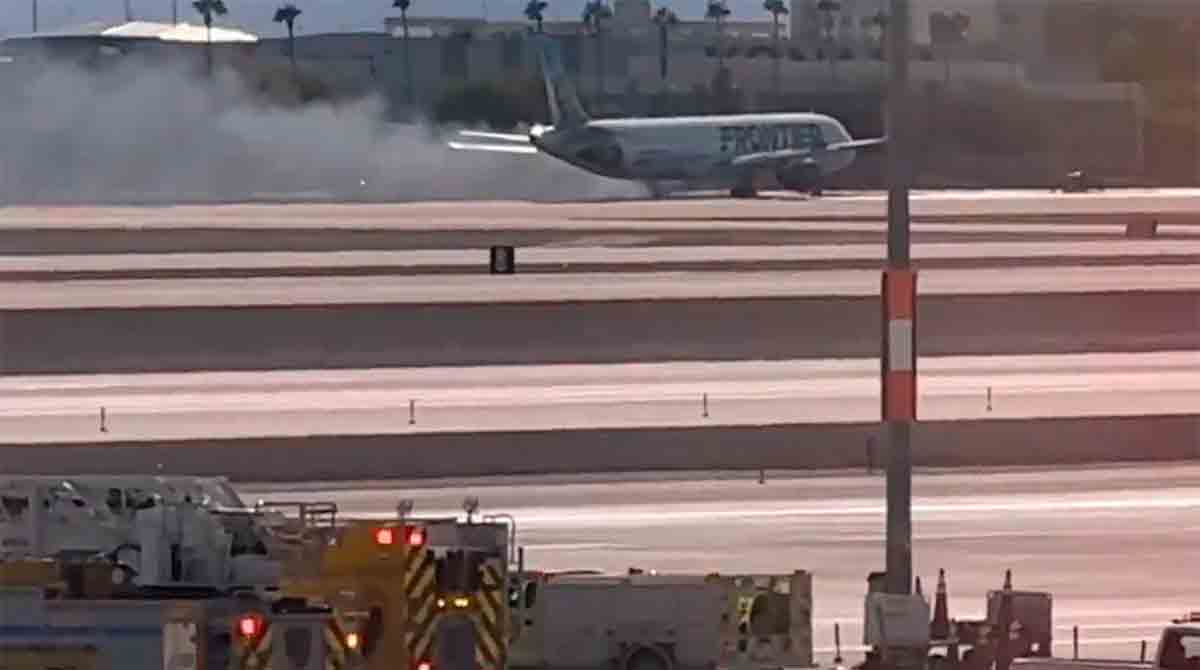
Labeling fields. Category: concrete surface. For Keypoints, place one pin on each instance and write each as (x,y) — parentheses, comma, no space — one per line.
(806,446)
(44,409)
(575,288)
(570,259)
(367,336)
(1114,545)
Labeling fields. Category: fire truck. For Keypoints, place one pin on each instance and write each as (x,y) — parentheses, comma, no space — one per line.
(441,593)
(126,575)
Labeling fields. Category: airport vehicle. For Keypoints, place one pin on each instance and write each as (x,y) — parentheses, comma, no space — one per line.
(648,621)
(1178,649)
(182,588)
(442,593)
(745,152)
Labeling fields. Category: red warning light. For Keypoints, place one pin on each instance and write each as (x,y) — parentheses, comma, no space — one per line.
(250,626)
(416,536)
(424,665)
(385,537)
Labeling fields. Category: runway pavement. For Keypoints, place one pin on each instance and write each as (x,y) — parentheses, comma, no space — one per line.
(582,287)
(572,397)
(560,259)
(773,206)
(1114,545)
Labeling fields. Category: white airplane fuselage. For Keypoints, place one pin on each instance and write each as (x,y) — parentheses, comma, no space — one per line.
(694,149)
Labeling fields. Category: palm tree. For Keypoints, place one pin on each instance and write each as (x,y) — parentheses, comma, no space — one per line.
(664,18)
(287,15)
(403,6)
(207,9)
(828,8)
(777,8)
(717,12)
(535,10)
(595,13)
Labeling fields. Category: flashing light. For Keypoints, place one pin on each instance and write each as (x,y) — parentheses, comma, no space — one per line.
(385,537)
(416,536)
(250,626)
(462,602)
(441,602)
(424,665)
(352,640)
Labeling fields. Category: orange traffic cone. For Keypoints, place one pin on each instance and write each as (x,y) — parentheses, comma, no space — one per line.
(939,629)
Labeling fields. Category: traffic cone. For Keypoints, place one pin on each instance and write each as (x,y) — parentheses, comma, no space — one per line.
(939,629)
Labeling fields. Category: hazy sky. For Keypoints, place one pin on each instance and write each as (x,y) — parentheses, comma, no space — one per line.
(320,15)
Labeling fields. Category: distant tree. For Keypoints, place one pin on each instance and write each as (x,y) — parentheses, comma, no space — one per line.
(829,10)
(717,12)
(403,6)
(777,8)
(946,33)
(535,11)
(596,14)
(665,19)
(287,15)
(1011,20)
(207,9)
(876,24)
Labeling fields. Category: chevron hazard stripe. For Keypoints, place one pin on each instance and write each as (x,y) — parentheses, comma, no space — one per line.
(421,587)
(490,619)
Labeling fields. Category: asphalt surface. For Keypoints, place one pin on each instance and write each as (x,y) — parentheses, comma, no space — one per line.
(523,214)
(574,288)
(587,259)
(573,397)
(1114,545)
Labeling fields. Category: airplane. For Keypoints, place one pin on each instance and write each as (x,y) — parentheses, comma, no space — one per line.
(741,153)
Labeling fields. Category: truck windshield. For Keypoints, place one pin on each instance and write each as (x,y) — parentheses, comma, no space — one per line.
(1181,650)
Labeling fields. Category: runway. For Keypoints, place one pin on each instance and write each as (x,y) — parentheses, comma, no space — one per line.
(575,259)
(633,212)
(1114,545)
(581,287)
(579,397)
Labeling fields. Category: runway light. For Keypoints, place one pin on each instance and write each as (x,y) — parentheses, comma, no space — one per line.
(352,640)
(385,537)
(250,626)
(462,602)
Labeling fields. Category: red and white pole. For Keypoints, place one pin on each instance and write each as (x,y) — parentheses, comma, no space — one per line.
(899,345)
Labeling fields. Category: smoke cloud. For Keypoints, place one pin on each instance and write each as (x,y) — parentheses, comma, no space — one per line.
(152,133)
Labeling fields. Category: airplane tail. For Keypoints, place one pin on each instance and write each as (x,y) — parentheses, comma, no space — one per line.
(565,108)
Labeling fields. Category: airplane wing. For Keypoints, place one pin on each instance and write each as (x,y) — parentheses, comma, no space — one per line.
(503,137)
(497,148)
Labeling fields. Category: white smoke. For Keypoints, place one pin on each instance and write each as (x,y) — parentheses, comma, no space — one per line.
(136,132)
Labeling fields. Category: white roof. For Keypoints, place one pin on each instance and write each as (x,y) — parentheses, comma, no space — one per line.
(149,30)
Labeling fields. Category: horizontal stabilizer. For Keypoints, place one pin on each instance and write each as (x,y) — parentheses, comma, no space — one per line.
(497,148)
(503,137)
(857,144)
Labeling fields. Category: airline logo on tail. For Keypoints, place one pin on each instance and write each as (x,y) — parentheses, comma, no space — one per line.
(566,111)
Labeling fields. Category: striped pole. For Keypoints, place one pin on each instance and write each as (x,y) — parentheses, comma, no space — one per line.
(899,345)
(898,351)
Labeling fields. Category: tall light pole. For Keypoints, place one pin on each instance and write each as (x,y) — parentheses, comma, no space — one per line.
(35,16)
(899,352)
